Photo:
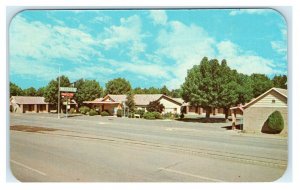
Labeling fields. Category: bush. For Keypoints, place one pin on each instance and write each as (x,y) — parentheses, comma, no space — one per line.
(84,109)
(104,113)
(149,115)
(120,113)
(168,115)
(152,115)
(93,112)
(140,112)
(181,116)
(72,110)
(274,123)
(155,106)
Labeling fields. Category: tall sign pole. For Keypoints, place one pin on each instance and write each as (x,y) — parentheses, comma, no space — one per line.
(58,103)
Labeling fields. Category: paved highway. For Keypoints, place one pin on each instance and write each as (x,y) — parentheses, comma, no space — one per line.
(105,149)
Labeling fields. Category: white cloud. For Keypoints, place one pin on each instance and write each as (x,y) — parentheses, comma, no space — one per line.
(249,11)
(279,46)
(158,16)
(128,33)
(186,46)
(244,62)
(43,41)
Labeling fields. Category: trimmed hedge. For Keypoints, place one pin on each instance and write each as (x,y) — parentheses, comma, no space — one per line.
(274,123)
(84,109)
(93,112)
(152,115)
(120,113)
(104,113)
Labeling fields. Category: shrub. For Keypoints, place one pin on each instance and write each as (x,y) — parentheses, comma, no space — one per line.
(181,116)
(84,109)
(93,112)
(120,113)
(72,110)
(157,115)
(274,124)
(176,115)
(152,115)
(149,115)
(140,112)
(155,106)
(104,113)
(168,115)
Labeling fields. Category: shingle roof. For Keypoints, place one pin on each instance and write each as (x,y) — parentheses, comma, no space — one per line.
(140,99)
(28,100)
(282,91)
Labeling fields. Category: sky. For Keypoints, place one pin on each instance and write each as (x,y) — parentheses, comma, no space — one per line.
(146,47)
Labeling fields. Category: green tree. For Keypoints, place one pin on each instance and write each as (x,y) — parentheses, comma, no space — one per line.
(226,80)
(40,91)
(130,101)
(118,86)
(139,90)
(51,90)
(280,81)
(15,90)
(244,88)
(211,85)
(155,106)
(176,93)
(152,90)
(30,91)
(164,90)
(260,84)
(87,90)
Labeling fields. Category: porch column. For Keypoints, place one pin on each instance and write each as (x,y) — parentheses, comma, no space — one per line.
(35,108)
(47,107)
(187,109)
(233,115)
(22,108)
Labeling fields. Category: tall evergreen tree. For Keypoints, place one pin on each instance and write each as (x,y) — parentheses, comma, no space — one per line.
(130,101)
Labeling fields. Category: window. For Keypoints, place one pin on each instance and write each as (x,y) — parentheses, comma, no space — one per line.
(273,101)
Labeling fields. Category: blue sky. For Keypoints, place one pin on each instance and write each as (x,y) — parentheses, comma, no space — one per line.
(147,47)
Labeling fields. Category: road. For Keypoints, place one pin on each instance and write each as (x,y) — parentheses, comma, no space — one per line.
(105,149)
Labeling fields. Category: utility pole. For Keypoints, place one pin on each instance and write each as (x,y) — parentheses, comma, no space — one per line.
(58,103)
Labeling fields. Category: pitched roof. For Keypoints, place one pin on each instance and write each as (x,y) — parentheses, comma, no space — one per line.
(140,99)
(281,91)
(28,100)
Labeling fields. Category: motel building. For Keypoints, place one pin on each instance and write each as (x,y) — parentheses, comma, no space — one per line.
(256,112)
(28,104)
(111,103)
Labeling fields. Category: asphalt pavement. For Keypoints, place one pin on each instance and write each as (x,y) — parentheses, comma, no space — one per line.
(44,148)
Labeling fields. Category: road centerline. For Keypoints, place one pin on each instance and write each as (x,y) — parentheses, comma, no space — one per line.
(29,168)
(190,174)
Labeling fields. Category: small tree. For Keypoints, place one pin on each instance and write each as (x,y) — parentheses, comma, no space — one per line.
(155,106)
(130,101)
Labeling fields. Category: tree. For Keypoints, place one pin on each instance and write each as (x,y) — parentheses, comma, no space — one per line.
(164,90)
(40,91)
(118,86)
(228,95)
(260,84)
(15,90)
(152,90)
(130,101)
(210,85)
(87,90)
(244,88)
(155,106)
(280,81)
(30,91)
(176,93)
(51,90)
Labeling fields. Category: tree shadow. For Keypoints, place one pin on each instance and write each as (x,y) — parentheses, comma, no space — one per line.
(229,127)
(266,129)
(203,120)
